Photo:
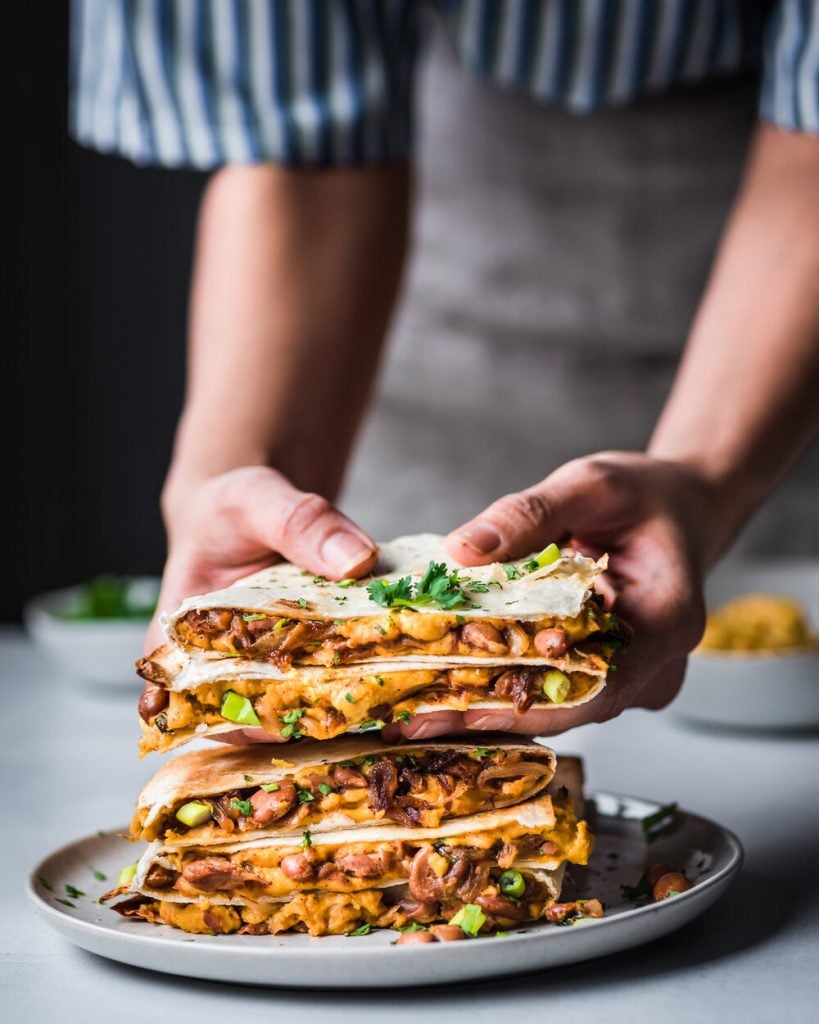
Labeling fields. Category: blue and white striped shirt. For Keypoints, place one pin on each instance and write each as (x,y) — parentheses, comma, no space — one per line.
(324,82)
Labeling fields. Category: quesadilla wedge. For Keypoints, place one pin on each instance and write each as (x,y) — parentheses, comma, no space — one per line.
(240,793)
(508,862)
(415,606)
(189,696)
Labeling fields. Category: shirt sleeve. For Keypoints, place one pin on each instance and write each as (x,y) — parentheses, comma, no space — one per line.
(202,83)
(790,81)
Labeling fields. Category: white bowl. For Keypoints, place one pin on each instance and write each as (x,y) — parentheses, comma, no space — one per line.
(94,650)
(757,690)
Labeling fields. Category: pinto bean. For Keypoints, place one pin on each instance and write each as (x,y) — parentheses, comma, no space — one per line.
(517,639)
(552,642)
(159,877)
(212,873)
(365,865)
(348,778)
(299,867)
(447,933)
(153,700)
(414,939)
(418,910)
(674,881)
(269,807)
(483,636)
(654,872)
(500,906)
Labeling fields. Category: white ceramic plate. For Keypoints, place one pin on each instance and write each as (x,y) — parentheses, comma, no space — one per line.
(765,690)
(710,855)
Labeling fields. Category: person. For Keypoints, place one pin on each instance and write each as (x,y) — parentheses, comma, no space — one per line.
(304,112)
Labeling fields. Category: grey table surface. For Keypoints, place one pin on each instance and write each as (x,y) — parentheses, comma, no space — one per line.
(69,767)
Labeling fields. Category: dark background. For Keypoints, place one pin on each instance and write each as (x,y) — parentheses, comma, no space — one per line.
(93,280)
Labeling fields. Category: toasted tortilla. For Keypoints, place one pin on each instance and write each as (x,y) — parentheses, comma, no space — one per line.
(212,772)
(559,590)
(537,814)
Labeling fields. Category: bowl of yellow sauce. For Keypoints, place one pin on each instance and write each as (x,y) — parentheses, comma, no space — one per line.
(757,665)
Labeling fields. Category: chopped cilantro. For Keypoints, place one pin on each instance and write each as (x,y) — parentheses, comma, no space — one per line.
(244,807)
(302,602)
(254,617)
(306,839)
(379,680)
(100,877)
(349,698)
(413,927)
(363,929)
(336,658)
(44,882)
(289,717)
(319,579)
(655,823)
(305,796)
(291,730)
(403,716)
(632,893)
(248,778)
(512,573)
(347,764)
(325,789)
(371,759)
(73,892)
(66,903)
(436,587)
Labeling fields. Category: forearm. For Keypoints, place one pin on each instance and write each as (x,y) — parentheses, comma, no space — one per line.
(294,281)
(744,402)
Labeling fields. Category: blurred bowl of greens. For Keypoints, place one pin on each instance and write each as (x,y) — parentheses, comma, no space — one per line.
(94,631)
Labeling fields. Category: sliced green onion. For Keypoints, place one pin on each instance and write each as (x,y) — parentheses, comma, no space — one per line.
(556,685)
(325,789)
(254,616)
(127,875)
(270,787)
(194,812)
(512,883)
(237,708)
(470,919)
(549,555)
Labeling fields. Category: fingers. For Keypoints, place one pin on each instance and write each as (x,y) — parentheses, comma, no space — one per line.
(433,723)
(240,737)
(585,496)
(305,528)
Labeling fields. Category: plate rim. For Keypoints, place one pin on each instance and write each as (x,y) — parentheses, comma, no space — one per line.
(721,876)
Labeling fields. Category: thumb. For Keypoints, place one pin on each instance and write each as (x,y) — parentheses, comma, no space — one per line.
(583,496)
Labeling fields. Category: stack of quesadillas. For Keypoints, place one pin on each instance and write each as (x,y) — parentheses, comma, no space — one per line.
(300,656)
(347,834)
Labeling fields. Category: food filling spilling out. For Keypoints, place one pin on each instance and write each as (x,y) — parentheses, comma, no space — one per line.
(412,788)
(399,632)
(502,871)
(303,706)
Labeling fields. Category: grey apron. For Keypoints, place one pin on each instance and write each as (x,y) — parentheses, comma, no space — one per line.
(557,265)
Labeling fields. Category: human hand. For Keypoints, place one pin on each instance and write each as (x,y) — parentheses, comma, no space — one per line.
(239,522)
(652,517)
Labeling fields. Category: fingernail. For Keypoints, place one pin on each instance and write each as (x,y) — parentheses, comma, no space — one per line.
(482,539)
(490,721)
(344,551)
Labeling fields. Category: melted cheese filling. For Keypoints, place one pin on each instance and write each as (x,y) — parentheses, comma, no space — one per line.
(328,708)
(460,798)
(263,876)
(394,633)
